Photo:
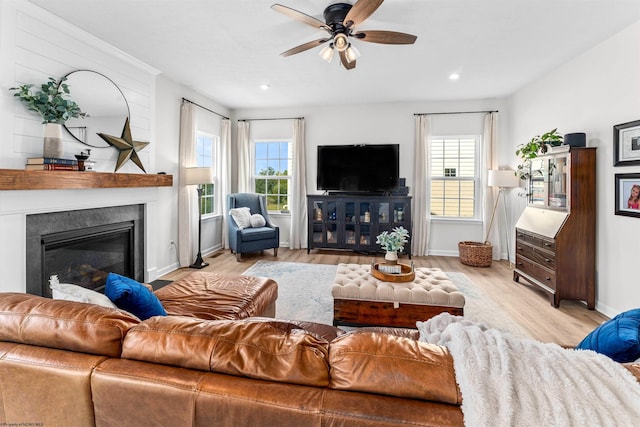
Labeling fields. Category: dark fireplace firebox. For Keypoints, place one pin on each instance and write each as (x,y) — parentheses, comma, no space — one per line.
(83,246)
(85,257)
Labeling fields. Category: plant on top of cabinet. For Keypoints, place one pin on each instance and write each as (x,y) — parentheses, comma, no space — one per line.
(530,150)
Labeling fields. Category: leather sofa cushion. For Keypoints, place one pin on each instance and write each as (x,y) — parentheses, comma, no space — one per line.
(267,350)
(45,386)
(326,332)
(65,325)
(218,296)
(393,365)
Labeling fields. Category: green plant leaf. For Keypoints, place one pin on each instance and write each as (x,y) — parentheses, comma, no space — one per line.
(49,101)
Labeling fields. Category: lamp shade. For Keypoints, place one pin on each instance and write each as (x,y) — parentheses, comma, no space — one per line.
(504,178)
(196,176)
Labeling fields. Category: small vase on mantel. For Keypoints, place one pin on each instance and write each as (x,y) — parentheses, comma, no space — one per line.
(391,257)
(52,144)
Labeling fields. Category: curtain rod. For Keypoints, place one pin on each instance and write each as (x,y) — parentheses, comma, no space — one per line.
(455,112)
(275,118)
(204,108)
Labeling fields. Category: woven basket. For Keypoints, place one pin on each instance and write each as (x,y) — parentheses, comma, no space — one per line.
(475,254)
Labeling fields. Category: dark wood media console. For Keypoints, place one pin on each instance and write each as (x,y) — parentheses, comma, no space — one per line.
(347,221)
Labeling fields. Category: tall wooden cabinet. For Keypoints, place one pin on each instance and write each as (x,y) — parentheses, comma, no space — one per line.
(354,222)
(555,235)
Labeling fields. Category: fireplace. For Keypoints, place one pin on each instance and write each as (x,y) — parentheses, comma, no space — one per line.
(83,246)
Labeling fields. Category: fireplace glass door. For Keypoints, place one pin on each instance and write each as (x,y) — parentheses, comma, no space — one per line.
(85,257)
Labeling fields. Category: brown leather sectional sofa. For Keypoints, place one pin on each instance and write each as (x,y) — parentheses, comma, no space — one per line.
(74,364)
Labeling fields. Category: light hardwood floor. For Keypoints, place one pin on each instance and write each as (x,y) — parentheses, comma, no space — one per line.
(526,305)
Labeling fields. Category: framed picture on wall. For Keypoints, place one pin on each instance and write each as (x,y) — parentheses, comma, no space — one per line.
(626,144)
(628,194)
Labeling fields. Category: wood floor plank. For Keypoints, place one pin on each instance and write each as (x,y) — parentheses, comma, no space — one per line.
(526,305)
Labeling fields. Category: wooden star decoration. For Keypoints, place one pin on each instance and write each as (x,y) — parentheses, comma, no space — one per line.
(127,147)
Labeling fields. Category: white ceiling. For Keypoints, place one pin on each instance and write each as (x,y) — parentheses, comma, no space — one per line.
(225,49)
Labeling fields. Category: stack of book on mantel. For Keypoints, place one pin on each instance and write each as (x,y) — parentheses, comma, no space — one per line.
(51,164)
(55,164)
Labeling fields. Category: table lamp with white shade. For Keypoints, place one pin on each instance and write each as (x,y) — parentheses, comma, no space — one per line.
(199,176)
(503,179)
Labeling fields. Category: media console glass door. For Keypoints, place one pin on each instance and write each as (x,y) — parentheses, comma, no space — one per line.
(353,222)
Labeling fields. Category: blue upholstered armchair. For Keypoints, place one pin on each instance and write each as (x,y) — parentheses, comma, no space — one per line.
(251,238)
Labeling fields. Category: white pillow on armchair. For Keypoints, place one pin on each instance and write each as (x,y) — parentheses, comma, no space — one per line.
(258,220)
(242,217)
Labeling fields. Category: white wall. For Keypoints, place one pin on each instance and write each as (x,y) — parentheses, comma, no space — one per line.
(169,96)
(592,93)
(36,45)
(382,123)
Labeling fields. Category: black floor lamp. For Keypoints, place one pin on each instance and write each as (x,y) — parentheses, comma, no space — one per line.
(199,176)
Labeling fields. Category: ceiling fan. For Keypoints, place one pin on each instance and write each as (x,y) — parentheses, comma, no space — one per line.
(341,20)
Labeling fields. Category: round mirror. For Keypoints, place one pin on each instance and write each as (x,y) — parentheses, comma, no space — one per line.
(104,103)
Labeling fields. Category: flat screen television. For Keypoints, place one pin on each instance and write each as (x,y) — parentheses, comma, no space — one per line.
(358,168)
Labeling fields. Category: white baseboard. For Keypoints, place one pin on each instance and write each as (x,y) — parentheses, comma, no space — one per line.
(166,270)
(442,253)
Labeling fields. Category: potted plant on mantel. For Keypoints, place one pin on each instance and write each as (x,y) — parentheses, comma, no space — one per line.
(53,104)
(393,243)
(530,150)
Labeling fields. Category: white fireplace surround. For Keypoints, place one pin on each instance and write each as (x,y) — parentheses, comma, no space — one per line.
(16,205)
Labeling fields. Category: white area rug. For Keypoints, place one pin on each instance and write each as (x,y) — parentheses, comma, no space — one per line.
(304,293)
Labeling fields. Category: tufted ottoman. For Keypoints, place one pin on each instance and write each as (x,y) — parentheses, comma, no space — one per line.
(360,299)
(219,296)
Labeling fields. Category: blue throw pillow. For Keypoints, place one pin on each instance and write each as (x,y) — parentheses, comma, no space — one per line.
(133,297)
(618,338)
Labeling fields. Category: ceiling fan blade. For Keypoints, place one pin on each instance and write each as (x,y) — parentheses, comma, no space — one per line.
(302,17)
(346,64)
(385,37)
(303,47)
(361,11)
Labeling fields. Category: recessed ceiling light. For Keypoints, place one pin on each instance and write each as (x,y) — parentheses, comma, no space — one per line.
(265,86)
(454,76)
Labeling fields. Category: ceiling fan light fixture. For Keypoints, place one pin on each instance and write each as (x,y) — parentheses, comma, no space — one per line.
(327,53)
(352,53)
(341,42)
(340,22)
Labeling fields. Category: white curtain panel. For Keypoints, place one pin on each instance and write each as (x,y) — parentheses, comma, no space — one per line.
(187,195)
(297,200)
(244,157)
(224,177)
(490,161)
(420,211)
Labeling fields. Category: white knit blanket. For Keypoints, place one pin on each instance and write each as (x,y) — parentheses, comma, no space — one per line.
(511,381)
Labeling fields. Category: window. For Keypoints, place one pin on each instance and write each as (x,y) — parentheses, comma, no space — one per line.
(205,147)
(454,176)
(272,172)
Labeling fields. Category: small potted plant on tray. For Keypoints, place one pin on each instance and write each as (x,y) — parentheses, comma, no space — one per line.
(393,242)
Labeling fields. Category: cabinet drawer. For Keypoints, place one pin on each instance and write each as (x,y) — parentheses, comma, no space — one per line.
(537,255)
(536,271)
(532,239)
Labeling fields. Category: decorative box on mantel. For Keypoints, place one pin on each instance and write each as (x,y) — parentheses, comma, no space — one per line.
(18,179)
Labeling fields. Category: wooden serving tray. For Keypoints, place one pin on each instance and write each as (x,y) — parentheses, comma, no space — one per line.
(407,273)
